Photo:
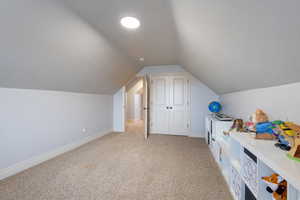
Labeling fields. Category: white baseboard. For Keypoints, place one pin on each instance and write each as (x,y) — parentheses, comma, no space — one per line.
(196,136)
(26,164)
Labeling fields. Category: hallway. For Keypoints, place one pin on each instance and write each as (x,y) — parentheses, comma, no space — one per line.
(135,126)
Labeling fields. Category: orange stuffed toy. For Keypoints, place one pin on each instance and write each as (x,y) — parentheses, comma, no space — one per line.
(277,186)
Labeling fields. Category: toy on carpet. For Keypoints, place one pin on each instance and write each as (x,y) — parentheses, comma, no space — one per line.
(277,186)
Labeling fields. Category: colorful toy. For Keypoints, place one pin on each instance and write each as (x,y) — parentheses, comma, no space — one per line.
(287,130)
(294,153)
(265,127)
(265,131)
(283,143)
(277,186)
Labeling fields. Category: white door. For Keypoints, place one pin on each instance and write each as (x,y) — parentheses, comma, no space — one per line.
(159,103)
(145,106)
(178,102)
(170,108)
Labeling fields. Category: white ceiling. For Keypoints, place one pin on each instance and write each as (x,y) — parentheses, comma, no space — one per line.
(155,40)
(46,46)
(80,46)
(237,45)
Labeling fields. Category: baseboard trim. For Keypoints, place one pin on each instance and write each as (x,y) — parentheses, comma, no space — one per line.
(31,162)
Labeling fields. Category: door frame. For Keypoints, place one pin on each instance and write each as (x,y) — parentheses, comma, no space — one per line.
(146,114)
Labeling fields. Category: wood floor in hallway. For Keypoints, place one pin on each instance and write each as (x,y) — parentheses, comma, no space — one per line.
(124,167)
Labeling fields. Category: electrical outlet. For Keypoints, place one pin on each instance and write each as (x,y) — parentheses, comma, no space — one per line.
(84,130)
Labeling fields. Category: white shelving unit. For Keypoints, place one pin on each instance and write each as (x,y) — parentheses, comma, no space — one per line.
(243,160)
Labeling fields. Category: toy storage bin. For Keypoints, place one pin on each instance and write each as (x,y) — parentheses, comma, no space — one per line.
(263,170)
(249,171)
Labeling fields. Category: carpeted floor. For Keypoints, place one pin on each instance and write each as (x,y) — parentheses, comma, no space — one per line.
(124,167)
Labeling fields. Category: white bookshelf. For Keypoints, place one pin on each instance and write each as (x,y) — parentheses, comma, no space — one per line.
(228,152)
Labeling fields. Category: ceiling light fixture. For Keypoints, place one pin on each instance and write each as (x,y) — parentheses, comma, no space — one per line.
(130,22)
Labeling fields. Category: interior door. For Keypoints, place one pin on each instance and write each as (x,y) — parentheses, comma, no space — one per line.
(178,122)
(146,106)
(159,104)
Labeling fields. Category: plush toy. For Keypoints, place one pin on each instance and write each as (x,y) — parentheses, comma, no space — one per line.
(259,117)
(277,186)
(238,125)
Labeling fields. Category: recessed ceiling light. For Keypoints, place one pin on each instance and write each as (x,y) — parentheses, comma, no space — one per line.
(130,22)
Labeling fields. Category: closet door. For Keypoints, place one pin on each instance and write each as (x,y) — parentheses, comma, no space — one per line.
(178,103)
(159,102)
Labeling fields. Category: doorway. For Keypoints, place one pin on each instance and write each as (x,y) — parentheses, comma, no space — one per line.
(135,120)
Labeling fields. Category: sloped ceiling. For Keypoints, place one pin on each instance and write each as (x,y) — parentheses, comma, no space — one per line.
(47,46)
(236,45)
(155,40)
(80,46)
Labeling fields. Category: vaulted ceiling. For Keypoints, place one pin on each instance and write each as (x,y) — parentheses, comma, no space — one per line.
(79,46)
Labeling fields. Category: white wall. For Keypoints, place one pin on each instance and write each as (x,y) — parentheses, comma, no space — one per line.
(201,96)
(281,102)
(34,122)
(119,111)
(137,106)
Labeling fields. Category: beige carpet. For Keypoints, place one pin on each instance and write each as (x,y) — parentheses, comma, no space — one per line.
(124,167)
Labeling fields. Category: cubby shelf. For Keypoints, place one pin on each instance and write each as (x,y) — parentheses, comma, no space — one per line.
(229,153)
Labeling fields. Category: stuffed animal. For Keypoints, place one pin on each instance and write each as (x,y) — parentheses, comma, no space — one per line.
(277,186)
(238,125)
(259,117)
